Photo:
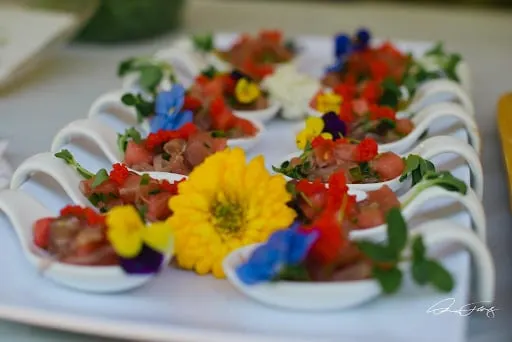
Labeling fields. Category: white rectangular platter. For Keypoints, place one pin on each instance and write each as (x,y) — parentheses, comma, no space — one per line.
(181,306)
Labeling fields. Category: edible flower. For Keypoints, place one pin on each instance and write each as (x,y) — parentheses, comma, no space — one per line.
(334,125)
(314,127)
(140,247)
(216,212)
(366,150)
(247,91)
(328,102)
(168,110)
(284,248)
(362,39)
(342,46)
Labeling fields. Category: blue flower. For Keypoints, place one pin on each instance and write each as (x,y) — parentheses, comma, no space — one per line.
(284,247)
(362,39)
(334,125)
(342,45)
(168,114)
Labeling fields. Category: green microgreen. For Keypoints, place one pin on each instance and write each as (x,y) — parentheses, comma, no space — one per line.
(70,160)
(145,108)
(129,134)
(151,72)
(203,43)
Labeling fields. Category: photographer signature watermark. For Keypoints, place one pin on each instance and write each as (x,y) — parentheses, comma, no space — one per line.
(448,306)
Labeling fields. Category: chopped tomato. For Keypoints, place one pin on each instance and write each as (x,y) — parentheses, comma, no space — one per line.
(42,232)
(388,165)
(136,154)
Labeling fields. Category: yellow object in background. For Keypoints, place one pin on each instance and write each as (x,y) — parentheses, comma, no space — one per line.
(505,127)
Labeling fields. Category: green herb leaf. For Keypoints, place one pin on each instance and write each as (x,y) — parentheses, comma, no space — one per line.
(100,177)
(129,134)
(389,280)
(144,180)
(150,77)
(416,167)
(391,93)
(125,66)
(218,134)
(210,72)
(97,198)
(70,160)
(440,277)
(129,99)
(438,49)
(203,43)
(397,230)
(377,252)
(293,273)
(419,271)
(418,248)
(143,210)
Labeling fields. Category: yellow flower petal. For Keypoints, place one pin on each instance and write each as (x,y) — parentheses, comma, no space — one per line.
(158,236)
(314,125)
(125,231)
(329,102)
(302,139)
(326,135)
(247,91)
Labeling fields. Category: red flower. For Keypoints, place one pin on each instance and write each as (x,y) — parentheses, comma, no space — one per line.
(379,70)
(310,188)
(172,188)
(371,91)
(345,90)
(330,240)
(366,150)
(347,112)
(191,103)
(119,173)
(81,213)
(159,138)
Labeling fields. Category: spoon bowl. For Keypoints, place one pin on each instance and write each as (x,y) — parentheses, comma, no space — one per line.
(96,279)
(328,296)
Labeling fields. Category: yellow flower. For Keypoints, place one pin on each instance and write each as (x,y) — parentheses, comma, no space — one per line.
(329,102)
(247,91)
(127,233)
(223,205)
(314,128)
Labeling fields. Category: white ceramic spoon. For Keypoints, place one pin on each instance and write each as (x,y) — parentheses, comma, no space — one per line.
(328,296)
(66,176)
(470,201)
(261,115)
(422,121)
(427,149)
(22,210)
(110,103)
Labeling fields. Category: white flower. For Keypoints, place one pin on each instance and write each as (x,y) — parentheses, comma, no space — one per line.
(292,89)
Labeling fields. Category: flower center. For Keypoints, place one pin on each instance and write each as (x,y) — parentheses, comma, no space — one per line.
(228,217)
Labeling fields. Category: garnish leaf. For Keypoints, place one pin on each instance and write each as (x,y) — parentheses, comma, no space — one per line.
(150,77)
(70,160)
(377,252)
(100,177)
(203,43)
(144,179)
(389,279)
(391,93)
(397,230)
(418,248)
(439,277)
(417,168)
(293,273)
(129,134)
(129,99)
(125,66)
(436,50)
(419,271)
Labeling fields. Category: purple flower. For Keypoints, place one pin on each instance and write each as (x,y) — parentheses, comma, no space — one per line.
(168,114)
(284,247)
(334,125)
(147,262)
(362,39)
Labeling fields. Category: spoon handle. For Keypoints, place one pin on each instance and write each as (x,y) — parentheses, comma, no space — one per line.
(186,65)
(436,111)
(23,210)
(445,231)
(110,103)
(436,88)
(93,130)
(446,144)
(470,201)
(57,169)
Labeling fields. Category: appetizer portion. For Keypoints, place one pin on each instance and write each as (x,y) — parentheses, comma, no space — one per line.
(106,190)
(178,151)
(360,162)
(237,89)
(316,247)
(366,110)
(173,109)
(257,55)
(79,236)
